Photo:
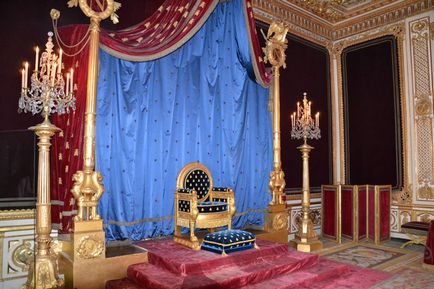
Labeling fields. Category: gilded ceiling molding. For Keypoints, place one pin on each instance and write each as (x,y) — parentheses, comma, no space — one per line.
(420,43)
(380,18)
(303,21)
(305,27)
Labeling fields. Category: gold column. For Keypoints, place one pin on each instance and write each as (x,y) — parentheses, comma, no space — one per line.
(88,238)
(276,216)
(306,239)
(43,272)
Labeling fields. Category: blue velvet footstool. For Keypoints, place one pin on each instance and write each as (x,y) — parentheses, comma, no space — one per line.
(228,241)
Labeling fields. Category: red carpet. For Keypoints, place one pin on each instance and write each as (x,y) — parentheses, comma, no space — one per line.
(272,266)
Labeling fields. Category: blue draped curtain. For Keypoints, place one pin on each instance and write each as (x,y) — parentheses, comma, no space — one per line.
(197,104)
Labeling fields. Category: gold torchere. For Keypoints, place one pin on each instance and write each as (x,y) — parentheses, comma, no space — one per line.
(45,95)
(304,127)
(276,218)
(88,238)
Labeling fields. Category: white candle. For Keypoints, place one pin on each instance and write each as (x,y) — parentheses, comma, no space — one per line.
(53,73)
(26,65)
(22,77)
(37,59)
(310,103)
(298,109)
(72,80)
(60,61)
(317,119)
(67,83)
(48,70)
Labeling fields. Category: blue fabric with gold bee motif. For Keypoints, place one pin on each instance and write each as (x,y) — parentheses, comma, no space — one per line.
(228,241)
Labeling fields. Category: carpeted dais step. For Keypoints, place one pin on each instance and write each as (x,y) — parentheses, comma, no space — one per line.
(325,270)
(150,276)
(182,260)
(271,267)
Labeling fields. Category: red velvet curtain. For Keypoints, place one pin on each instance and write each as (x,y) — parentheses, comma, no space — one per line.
(66,156)
(173,24)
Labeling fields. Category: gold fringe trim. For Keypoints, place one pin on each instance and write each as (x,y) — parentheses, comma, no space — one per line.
(166,218)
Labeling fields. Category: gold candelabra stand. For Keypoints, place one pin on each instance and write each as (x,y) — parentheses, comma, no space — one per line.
(46,95)
(304,127)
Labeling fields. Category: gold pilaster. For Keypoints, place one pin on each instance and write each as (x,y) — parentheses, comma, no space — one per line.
(43,272)
(306,239)
(276,216)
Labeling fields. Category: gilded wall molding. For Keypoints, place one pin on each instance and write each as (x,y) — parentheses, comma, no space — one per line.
(421,69)
(335,50)
(6,215)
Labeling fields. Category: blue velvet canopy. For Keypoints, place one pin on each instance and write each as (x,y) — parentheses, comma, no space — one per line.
(198,104)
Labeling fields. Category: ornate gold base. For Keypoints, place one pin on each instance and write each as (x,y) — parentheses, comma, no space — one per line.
(276,218)
(87,241)
(44,275)
(307,246)
(306,239)
(195,245)
(94,273)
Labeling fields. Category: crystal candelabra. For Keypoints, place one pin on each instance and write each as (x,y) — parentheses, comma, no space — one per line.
(305,127)
(46,95)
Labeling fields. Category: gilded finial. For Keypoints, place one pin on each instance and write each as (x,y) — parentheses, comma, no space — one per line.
(55,14)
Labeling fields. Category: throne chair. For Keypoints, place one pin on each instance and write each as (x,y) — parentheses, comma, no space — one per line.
(200,205)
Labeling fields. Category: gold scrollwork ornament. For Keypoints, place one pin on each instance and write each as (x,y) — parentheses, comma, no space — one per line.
(90,248)
(23,255)
(276,44)
(426,192)
(423,106)
(280,222)
(107,10)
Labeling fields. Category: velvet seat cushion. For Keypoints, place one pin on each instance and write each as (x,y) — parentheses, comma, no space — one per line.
(227,241)
(416,228)
(212,207)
